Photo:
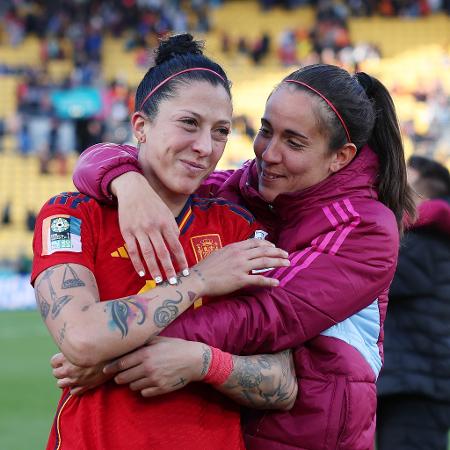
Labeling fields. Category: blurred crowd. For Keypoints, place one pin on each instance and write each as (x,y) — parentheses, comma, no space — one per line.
(74,31)
(49,125)
(389,8)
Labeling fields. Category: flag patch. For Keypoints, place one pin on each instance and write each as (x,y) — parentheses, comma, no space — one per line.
(61,233)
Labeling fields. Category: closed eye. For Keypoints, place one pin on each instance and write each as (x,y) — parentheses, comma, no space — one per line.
(294,144)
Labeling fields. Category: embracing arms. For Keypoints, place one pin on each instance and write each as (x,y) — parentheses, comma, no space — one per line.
(322,287)
(167,364)
(105,169)
(88,331)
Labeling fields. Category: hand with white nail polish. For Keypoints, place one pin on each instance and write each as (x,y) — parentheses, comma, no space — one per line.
(229,269)
(148,228)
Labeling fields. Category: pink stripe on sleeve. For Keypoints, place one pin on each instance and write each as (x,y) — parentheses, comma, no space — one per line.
(356,219)
(330,216)
(291,271)
(340,211)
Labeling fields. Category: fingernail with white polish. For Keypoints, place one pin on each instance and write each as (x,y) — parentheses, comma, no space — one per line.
(141,273)
(185,272)
(158,280)
(172,280)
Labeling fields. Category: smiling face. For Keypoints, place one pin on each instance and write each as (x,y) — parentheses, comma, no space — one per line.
(185,140)
(291,149)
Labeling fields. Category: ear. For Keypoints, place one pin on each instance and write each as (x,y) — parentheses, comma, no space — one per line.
(342,157)
(137,124)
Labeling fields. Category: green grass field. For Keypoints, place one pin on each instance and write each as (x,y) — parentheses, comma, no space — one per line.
(28,395)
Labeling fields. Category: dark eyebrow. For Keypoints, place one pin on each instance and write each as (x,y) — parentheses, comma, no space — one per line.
(197,116)
(287,131)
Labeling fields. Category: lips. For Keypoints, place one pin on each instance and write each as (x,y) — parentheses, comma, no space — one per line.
(270,176)
(193,164)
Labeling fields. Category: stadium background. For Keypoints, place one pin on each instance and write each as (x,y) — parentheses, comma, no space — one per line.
(68,70)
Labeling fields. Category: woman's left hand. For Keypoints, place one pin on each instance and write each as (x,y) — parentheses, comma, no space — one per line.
(78,379)
(162,366)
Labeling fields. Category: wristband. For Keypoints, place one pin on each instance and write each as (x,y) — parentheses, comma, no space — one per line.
(220,368)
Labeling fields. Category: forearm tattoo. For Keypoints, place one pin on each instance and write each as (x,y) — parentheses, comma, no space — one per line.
(263,381)
(122,312)
(206,360)
(167,312)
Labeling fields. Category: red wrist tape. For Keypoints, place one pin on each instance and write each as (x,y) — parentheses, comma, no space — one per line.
(220,368)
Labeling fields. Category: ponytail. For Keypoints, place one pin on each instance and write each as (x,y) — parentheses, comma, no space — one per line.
(386,141)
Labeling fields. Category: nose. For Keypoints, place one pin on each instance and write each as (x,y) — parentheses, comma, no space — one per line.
(203,143)
(271,153)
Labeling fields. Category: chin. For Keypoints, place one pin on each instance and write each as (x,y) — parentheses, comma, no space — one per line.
(267,194)
(187,188)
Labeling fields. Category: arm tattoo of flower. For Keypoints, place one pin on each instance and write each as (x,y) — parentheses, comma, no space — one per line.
(122,313)
(167,312)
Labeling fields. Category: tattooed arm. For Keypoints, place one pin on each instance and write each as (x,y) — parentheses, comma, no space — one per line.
(168,364)
(262,381)
(89,332)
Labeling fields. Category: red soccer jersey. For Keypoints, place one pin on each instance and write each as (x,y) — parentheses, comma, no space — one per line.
(73,228)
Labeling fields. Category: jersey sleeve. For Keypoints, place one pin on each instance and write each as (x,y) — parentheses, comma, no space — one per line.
(100,164)
(64,233)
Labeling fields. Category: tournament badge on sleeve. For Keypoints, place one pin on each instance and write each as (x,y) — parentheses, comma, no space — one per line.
(61,233)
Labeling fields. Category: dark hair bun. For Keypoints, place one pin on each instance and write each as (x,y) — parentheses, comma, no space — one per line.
(180,44)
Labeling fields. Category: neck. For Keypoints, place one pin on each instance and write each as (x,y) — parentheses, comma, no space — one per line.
(175,202)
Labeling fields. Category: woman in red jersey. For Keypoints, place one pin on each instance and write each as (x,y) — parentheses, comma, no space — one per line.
(96,307)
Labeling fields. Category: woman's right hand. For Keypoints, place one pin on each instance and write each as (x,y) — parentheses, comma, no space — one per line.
(148,225)
(229,268)
(77,379)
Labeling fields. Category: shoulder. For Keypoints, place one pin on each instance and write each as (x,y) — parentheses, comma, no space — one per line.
(220,206)
(377,238)
(70,204)
(364,229)
(377,220)
(70,200)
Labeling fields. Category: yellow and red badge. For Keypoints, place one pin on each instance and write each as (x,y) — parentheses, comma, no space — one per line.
(205,244)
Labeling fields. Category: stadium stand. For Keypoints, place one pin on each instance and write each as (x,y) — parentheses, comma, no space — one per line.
(411,55)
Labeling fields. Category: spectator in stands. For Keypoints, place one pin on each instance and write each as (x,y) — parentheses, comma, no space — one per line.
(329,183)
(414,386)
(261,48)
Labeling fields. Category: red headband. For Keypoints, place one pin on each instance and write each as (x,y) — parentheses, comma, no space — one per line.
(176,74)
(328,103)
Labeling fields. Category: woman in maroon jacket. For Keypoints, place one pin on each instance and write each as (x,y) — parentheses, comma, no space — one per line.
(329,183)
